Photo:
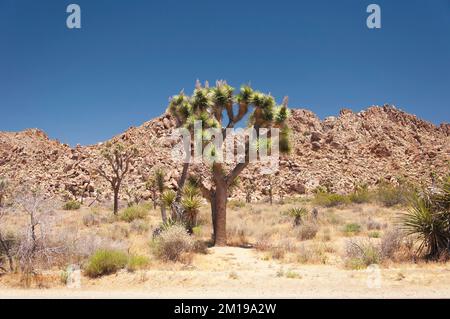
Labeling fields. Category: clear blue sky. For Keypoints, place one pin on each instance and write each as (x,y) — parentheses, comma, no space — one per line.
(84,86)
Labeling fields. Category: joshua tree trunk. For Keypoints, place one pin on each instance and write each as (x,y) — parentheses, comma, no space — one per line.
(163,213)
(219,207)
(116,200)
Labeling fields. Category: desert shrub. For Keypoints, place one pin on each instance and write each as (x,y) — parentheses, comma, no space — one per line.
(374,234)
(72,205)
(173,242)
(200,247)
(333,219)
(351,228)
(326,236)
(139,226)
(137,262)
(105,262)
(330,199)
(90,219)
(307,230)
(428,218)
(313,254)
(360,254)
(360,195)
(297,213)
(236,204)
(119,232)
(390,195)
(132,213)
(391,243)
(237,235)
(373,224)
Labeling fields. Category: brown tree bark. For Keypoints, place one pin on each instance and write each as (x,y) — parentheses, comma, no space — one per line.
(116,201)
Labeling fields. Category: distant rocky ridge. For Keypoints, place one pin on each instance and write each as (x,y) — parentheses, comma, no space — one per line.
(380,143)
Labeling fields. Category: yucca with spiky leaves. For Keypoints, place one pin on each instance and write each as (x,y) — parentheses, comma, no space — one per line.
(428,218)
(168,197)
(209,105)
(298,213)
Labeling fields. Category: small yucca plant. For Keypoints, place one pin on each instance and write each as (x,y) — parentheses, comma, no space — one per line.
(168,197)
(429,218)
(297,214)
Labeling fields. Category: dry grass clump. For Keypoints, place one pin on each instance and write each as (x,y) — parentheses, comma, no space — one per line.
(308,230)
(139,226)
(173,243)
(361,253)
(313,254)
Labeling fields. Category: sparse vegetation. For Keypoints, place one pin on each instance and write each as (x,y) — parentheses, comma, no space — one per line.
(72,205)
(351,228)
(428,218)
(137,262)
(361,253)
(307,230)
(326,199)
(132,213)
(105,262)
(297,213)
(173,243)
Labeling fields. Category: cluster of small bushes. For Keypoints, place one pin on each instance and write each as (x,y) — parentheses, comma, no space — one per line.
(394,245)
(109,261)
(133,212)
(72,205)
(385,194)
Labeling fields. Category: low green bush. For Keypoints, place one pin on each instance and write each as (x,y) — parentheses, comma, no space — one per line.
(351,228)
(105,262)
(330,199)
(133,212)
(137,262)
(72,205)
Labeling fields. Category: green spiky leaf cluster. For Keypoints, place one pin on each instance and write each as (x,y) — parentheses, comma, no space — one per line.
(210,105)
(429,219)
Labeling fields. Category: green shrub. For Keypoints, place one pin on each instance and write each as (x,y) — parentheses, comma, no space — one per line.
(105,262)
(389,195)
(374,234)
(235,204)
(133,212)
(139,226)
(330,199)
(72,205)
(351,228)
(361,195)
(428,218)
(137,262)
(173,242)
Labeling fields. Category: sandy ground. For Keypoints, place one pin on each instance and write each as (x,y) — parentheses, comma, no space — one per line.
(242,273)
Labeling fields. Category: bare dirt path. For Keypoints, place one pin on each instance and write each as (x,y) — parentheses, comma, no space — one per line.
(229,272)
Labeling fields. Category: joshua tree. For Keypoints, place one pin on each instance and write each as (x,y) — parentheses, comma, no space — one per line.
(155,185)
(119,159)
(208,105)
(3,189)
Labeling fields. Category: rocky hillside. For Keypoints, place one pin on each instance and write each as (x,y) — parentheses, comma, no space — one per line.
(366,147)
